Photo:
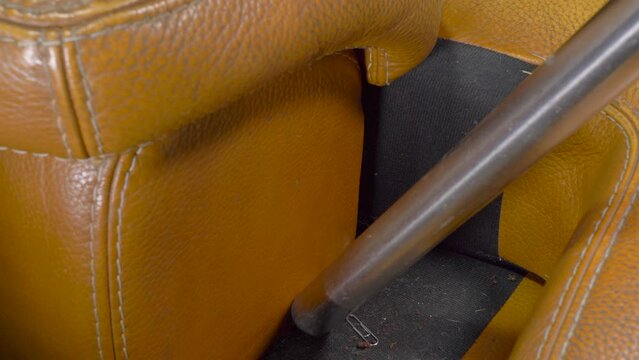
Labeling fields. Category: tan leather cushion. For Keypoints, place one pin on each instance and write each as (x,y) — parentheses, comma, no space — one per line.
(172,172)
(111,75)
(188,247)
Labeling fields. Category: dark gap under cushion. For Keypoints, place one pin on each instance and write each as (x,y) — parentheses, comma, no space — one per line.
(415,121)
(438,308)
(435,311)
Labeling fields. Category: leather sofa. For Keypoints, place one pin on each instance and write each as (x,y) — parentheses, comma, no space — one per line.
(173,172)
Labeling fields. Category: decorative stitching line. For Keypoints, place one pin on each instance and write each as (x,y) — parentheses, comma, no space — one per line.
(37,155)
(92,262)
(54,104)
(589,241)
(88,99)
(346,57)
(370,63)
(387,72)
(103,32)
(45,9)
(104,156)
(377,66)
(537,55)
(603,260)
(629,105)
(118,262)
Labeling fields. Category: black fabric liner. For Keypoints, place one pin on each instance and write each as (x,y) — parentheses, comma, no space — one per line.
(413,123)
(435,311)
(438,308)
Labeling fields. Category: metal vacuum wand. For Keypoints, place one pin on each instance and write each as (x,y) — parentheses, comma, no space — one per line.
(587,73)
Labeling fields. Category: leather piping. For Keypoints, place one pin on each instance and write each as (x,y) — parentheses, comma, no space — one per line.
(92,231)
(141,11)
(110,200)
(88,101)
(51,7)
(64,71)
(45,58)
(589,245)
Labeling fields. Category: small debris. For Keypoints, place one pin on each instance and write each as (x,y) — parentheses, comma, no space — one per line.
(512,277)
(363,345)
(480,310)
(392,345)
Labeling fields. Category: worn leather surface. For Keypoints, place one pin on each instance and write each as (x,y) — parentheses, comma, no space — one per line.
(133,73)
(217,227)
(58,12)
(541,210)
(188,247)
(174,171)
(587,309)
(530,30)
(499,337)
(583,312)
(31,117)
(53,283)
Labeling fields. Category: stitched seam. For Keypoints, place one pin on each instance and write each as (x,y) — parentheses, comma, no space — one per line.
(88,99)
(92,262)
(145,143)
(387,72)
(45,9)
(588,242)
(628,104)
(105,31)
(54,103)
(603,260)
(347,57)
(537,55)
(36,154)
(370,63)
(377,66)
(118,261)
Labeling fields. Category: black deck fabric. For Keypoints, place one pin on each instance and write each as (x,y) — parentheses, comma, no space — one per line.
(415,121)
(437,309)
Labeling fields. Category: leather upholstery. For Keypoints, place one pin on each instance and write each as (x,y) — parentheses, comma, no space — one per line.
(498,338)
(172,172)
(188,247)
(530,30)
(582,213)
(214,229)
(541,210)
(140,69)
(583,312)
(52,256)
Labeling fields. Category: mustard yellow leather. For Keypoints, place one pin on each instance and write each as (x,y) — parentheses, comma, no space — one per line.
(572,216)
(541,210)
(259,198)
(50,244)
(127,72)
(588,309)
(188,247)
(31,116)
(172,172)
(499,336)
(530,30)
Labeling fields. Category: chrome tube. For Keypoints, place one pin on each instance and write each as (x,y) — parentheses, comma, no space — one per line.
(587,73)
